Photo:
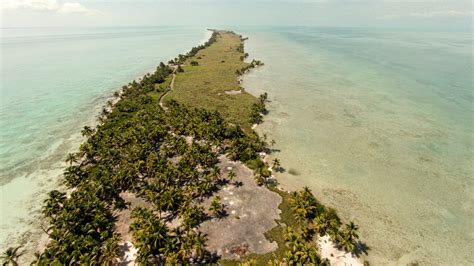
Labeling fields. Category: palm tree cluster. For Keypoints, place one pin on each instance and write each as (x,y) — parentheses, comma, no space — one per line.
(258,110)
(159,245)
(324,220)
(139,148)
(253,64)
(301,251)
(242,57)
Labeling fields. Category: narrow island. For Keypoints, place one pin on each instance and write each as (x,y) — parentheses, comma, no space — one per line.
(175,174)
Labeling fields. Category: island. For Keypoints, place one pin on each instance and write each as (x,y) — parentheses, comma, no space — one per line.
(175,174)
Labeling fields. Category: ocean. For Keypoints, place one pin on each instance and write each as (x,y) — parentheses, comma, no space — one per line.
(54,81)
(378,123)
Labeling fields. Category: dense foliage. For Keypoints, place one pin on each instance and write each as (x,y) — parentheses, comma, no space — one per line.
(132,150)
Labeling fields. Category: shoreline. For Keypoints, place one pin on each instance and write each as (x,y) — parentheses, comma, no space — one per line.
(111,107)
(326,246)
(74,140)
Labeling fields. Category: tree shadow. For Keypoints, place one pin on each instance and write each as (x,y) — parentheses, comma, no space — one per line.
(280,169)
(361,248)
(123,249)
(269,150)
(222,214)
(271,181)
(223,182)
(238,184)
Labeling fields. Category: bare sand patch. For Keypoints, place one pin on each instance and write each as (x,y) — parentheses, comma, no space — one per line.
(252,211)
(233,92)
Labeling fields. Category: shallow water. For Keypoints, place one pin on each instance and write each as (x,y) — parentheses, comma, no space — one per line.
(53,82)
(377,123)
(380,125)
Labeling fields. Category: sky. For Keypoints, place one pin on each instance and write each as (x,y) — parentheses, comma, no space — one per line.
(446,14)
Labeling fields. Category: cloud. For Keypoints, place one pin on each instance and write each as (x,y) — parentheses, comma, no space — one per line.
(46,5)
(446,13)
(73,8)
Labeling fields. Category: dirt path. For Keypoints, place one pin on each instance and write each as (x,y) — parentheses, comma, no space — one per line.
(160,100)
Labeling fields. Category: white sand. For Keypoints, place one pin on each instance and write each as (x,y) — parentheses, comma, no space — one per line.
(129,254)
(328,249)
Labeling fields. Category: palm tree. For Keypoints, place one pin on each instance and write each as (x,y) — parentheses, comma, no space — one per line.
(348,237)
(232,175)
(71,158)
(198,245)
(259,178)
(216,208)
(54,202)
(346,243)
(351,230)
(10,256)
(322,223)
(276,164)
(87,131)
(109,251)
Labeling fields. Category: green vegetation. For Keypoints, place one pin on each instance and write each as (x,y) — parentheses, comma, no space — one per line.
(217,208)
(204,86)
(169,160)
(258,110)
(323,220)
(130,150)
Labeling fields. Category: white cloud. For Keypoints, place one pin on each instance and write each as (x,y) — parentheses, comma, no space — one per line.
(73,8)
(445,13)
(46,5)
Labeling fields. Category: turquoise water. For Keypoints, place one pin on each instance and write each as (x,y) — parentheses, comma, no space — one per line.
(53,82)
(379,123)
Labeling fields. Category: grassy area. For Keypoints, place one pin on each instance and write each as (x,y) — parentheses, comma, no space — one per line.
(160,89)
(204,85)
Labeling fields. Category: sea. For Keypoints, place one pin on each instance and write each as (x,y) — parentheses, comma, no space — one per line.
(55,81)
(377,122)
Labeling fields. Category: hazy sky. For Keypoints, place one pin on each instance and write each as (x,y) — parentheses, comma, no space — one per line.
(453,14)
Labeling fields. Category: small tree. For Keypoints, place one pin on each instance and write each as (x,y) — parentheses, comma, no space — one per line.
(231,175)
(194,63)
(217,208)
(180,69)
(259,178)
(71,158)
(276,164)
(263,97)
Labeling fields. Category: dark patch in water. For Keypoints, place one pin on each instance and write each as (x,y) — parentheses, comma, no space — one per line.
(293,171)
